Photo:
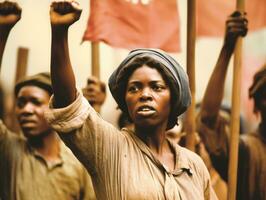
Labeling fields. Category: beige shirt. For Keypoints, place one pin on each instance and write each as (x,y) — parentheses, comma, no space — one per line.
(121,165)
(25,175)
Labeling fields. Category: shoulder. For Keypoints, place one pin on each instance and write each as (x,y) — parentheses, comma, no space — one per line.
(252,142)
(8,135)
(3,128)
(194,162)
(71,166)
(199,172)
(191,156)
(67,156)
(250,137)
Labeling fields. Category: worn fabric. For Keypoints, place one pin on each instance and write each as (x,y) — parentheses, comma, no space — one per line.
(176,77)
(252,160)
(25,175)
(122,166)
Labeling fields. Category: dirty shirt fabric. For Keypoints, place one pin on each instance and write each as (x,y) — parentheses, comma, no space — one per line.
(25,175)
(252,160)
(121,165)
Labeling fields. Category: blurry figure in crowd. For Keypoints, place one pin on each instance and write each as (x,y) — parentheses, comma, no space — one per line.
(215,132)
(95,92)
(35,164)
(151,88)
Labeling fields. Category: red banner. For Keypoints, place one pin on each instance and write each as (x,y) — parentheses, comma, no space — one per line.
(135,23)
(212,14)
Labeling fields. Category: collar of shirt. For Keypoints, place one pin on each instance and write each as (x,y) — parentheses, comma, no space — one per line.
(181,161)
(50,164)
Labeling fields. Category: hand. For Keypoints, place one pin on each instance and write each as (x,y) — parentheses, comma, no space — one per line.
(64,13)
(10,14)
(236,25)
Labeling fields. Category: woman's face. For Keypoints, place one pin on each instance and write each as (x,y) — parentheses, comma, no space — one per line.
(147,97)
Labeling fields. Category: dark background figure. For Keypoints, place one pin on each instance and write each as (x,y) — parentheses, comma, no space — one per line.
(214,130)
(95,92)
(35,164)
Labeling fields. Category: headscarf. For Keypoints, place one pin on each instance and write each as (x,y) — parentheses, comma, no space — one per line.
(169,68)
(41,80)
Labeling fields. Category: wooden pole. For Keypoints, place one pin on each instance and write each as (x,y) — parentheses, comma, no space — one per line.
(22,61)
(190,125)
(21,69)
(235,115)
(95,59)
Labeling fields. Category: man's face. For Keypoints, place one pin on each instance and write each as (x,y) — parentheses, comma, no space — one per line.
(31,103)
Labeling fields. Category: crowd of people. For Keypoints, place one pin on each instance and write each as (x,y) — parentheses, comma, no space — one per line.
(66,150)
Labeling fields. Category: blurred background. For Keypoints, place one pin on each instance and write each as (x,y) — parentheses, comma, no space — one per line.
(33,32)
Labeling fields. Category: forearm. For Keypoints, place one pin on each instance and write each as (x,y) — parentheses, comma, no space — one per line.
(63,80)
(215,89)
(3,38)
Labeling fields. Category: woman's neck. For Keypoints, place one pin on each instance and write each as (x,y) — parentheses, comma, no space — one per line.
(153,137)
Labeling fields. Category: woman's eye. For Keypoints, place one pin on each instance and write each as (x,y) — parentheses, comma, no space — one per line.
(158,87)
(132,89)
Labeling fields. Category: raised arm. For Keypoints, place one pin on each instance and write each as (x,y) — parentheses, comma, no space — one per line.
(236,26)
(62,15)
(10,14)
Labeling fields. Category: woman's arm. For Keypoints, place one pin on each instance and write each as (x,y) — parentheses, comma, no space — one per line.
(62,15)
(10,14)
(236,26)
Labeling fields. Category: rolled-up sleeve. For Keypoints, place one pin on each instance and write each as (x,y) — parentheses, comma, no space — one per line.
(67,119)
(92,139)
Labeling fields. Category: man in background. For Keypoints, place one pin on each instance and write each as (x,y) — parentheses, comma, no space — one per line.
(35,164)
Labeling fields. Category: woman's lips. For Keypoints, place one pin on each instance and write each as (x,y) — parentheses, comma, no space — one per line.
(146,111)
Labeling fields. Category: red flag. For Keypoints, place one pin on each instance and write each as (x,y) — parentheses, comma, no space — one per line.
(212,14)
(211,17)
(134,23)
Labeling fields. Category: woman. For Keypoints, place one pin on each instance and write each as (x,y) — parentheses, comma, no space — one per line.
(152,89)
